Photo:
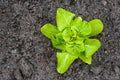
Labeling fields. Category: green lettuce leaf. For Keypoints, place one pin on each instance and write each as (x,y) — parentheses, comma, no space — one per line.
(85,59)
(67,34)
(49,30)
(97,27)
(58,42)
(63,18)
(75,25)
(82,28)
(85,29)
(76,40)
(91,46)
(75,49)
(64,60)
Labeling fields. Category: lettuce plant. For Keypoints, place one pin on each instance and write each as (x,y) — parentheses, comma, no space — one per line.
(72,36)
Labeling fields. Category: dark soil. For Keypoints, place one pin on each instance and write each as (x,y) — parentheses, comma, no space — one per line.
(25,54)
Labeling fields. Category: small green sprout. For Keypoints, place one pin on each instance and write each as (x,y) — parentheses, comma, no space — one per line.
(72,38)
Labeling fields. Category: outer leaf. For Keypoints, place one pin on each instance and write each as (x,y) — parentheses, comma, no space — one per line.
(85,29)
(64,61)
(91,46)
(58,42)
(97,27)
(63,18)
(49,30)
(87,60)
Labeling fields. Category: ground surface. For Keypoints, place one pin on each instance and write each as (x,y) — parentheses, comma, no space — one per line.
(25,54)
